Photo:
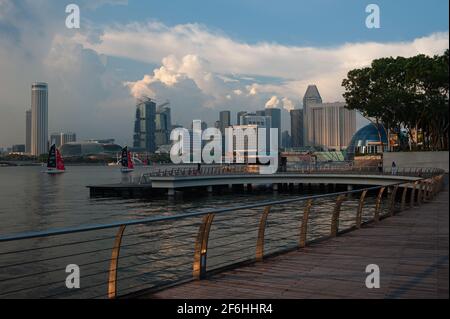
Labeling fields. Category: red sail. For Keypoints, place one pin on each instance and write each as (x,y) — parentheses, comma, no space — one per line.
(59,161)
(130,161)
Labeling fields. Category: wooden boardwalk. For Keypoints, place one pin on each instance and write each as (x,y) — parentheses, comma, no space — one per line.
(411,250)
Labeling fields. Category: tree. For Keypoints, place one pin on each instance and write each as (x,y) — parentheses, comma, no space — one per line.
(400,92)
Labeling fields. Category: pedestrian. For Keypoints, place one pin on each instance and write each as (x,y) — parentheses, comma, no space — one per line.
(380,167)
(394,168)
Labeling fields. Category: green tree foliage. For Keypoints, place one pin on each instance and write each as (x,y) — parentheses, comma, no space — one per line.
(410,93)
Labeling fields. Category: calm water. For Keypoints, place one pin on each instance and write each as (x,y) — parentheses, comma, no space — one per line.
(31,200)
(151,255)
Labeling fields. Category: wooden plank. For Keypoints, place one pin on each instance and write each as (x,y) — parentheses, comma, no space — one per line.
(410,248)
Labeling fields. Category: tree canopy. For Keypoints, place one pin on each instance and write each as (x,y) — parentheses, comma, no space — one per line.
(404,93)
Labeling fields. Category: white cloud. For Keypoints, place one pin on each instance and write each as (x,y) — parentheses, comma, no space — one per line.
(200,71)
(294,64)
(273,102)
(288,105)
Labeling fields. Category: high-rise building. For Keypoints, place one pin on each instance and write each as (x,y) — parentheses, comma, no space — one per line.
(275,115)
(59,139)
(163,125)
(258,121)
(333,126)
(239,114)
(225,120)
(28,124)
(285,140)
(217,125)
(261,113)
(326,125)
(39,118)
(297,128)
(20,148)
(312,96)
(144,126)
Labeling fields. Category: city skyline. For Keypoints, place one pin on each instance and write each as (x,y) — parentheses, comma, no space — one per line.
(96,72)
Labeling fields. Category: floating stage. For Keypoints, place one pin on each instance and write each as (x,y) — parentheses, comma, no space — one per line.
(160,185)
(122,190)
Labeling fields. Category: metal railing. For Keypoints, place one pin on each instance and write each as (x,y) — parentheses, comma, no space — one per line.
(120,258)
(322,168)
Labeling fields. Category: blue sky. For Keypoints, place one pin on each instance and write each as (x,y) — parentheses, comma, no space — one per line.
(290,22)
(203,56)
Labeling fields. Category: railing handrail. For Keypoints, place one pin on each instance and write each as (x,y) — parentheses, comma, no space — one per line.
(149,220)
(422,189)
(302,168)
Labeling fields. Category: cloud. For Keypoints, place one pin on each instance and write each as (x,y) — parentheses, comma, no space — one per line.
(85,95)
(137,41)
(199,70)
(221,66)
(288,105)
(273,102)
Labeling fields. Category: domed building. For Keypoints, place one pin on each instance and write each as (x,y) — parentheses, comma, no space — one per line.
(367,141)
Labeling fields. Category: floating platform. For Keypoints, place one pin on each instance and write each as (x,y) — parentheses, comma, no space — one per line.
(122,190)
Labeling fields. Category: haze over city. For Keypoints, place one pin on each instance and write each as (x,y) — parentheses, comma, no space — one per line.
(193,55)
(224,157)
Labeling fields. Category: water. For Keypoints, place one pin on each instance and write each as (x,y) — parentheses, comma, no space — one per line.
(31,200)
(151,255)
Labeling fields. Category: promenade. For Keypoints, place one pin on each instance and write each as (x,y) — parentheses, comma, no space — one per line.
(410,248)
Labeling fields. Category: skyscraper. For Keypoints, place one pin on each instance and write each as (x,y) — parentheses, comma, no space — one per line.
(163,125)
(258,121)
(326,125)
(239,114)
(225,120)
(312,96)
(331,125)
(61,138)
(144,126)
(297,128)
(39,118)
(28,132)
(285,140)
(275,115)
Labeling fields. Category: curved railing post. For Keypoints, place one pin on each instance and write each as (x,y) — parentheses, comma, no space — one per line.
(304,226)
(114,263)
(201,248)
(392,201)
(405,192)
(424,190)
(412,200)
(433,187)
(419,194)
(376,216)
(335,217)
(261,232)
(430,189)
(360,209)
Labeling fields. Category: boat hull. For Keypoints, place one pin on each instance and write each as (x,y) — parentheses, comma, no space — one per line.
(127,170)
(54,172)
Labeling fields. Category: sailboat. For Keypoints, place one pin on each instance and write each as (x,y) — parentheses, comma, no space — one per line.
(127,161)
(55,163)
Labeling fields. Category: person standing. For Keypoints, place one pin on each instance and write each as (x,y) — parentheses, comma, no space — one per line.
(380,167)
(394,168)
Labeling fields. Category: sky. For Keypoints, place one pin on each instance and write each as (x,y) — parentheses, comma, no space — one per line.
(203,56)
